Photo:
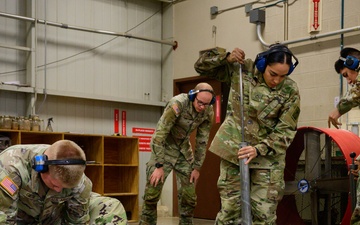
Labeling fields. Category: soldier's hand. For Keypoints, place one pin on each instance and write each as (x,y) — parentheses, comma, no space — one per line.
(237,55)
(157,176)
(248,152)
(355,172)
(333,119)
(195,174)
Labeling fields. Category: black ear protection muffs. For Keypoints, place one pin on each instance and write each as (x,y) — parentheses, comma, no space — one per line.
(351,62)
(40,163)
(261,58)
(192,94)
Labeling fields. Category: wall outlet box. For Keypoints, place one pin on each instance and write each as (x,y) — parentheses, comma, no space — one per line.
(214,10)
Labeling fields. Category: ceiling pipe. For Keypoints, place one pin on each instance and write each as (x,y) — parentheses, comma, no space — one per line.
(310,38)
(174,44)
(21,48)
(286,20)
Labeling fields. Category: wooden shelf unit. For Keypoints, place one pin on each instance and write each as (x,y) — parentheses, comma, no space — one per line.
(115,168)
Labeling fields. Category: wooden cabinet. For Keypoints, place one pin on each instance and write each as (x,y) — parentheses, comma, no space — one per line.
(113,162)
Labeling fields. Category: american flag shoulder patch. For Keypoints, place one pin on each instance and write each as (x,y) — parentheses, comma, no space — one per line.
(176,109)
(9,186)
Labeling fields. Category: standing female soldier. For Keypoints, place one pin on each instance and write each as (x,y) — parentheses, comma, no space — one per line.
(271,111)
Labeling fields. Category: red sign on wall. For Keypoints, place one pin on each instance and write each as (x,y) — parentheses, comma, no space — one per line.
(140,130)
(144,141)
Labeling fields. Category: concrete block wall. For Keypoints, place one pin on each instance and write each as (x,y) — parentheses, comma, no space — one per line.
(318,82)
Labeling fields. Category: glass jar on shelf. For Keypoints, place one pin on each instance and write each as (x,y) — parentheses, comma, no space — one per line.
(21,122)
(15,123)
(7,122)
(27,124)
(1,122)
(42,125)
(35,123)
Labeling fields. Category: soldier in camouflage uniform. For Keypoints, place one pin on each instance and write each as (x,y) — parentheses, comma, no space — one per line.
(348,66)
(271,111)
(32,192)
(171,150)
(355,217)
(106,211)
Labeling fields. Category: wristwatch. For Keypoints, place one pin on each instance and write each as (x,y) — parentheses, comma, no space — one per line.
(158,165)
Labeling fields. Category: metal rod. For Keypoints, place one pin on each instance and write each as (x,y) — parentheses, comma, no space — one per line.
(67,26)
(238,6)
(241,103)
(12,16)
(270,5)
(21,48)
(312,37)
(246,218)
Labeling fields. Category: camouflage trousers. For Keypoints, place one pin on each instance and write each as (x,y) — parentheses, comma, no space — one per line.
(186,193)
(106,211)
(355,217)
(266,190)
(102,211)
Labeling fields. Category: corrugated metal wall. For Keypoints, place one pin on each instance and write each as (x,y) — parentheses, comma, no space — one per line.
(12,32)
(98,64)
(85,67)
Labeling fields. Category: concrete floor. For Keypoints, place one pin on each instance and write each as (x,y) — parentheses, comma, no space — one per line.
(175,221)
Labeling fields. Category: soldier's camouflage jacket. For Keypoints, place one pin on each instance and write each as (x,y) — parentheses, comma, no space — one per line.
(351,98)
(172,135)
(25,199)
(270,115)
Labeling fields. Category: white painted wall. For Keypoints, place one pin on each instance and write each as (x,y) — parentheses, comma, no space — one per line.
(315,75)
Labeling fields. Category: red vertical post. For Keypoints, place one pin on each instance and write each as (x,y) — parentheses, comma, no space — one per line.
(116,121)
(123,114)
